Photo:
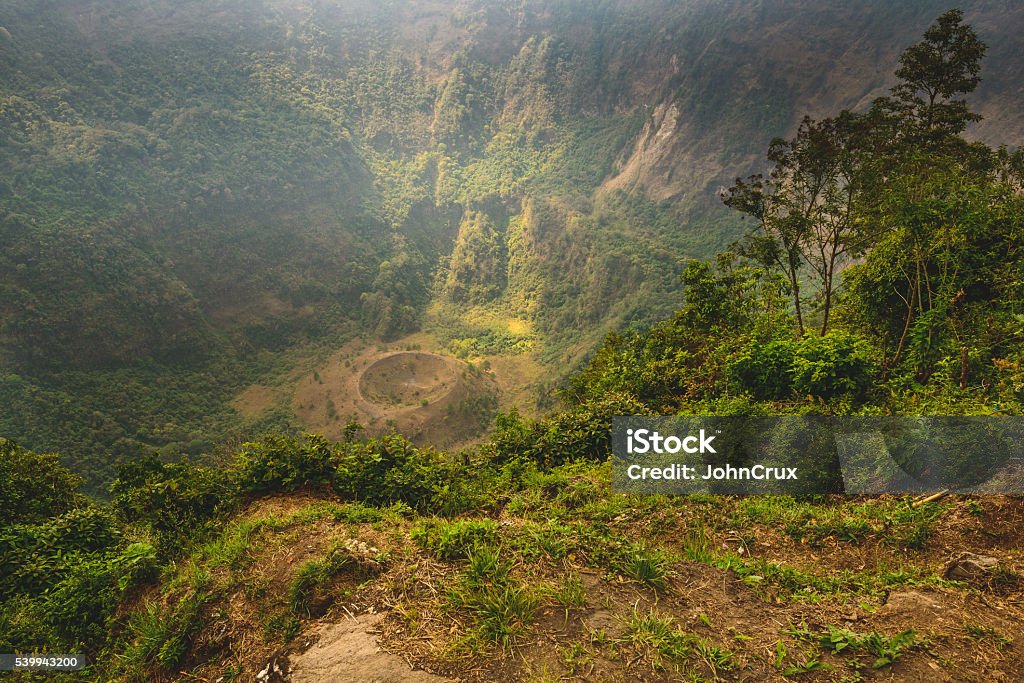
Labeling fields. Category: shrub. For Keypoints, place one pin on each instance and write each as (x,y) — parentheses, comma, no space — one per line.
(174,500)
(33,486)
(78,607)
(279,463)
(35,557)
(765,370)
(389,470)
(21,627)
(81,595)
(837,364)
(582,433)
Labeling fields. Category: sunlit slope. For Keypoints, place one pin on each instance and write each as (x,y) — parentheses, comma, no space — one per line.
(156,152)
(191,191)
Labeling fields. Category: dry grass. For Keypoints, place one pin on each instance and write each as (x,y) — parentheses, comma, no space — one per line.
(553,596)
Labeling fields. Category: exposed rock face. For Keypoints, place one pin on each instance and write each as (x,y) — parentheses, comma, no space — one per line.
(347,651)
(650,163)
(702,98)
(964,566)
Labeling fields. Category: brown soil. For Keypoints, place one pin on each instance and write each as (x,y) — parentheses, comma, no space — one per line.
(383,388)
(397,623)
(429,397)
(717,606)
(256,400)
(407,379)
(714,605)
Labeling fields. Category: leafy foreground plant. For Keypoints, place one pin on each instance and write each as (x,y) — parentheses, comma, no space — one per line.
(797,667)
(886,649)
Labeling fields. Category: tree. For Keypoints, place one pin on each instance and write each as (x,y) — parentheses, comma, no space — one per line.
(820,203)
(833,151)
(932,73)
(777,242)
(932,205)
(806,207)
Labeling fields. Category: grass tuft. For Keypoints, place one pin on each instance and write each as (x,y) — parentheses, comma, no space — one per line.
(646,565)
(454,540)
(504,614)
(667,644)
(312,576)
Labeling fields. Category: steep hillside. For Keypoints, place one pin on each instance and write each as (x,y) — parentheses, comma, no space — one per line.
(865,340)
(203,196)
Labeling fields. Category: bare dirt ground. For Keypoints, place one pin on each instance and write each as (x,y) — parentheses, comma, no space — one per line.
(257,400)
(405,379)
(411,385)
(966,632)
(432,398)
(389,615)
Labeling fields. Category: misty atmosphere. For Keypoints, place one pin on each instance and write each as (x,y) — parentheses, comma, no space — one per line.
(314,317)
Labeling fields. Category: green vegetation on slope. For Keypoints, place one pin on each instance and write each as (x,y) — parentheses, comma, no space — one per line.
(934,223)
(197,193)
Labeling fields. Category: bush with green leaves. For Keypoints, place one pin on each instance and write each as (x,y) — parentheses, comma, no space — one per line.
(279,463)
(174,500)
(64,562)
(838,364)
(765,370)
(22,624)
(390,470)
(67,613)
(74,609)
(580,433)
(35,556)
(33,486)
(78,607)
